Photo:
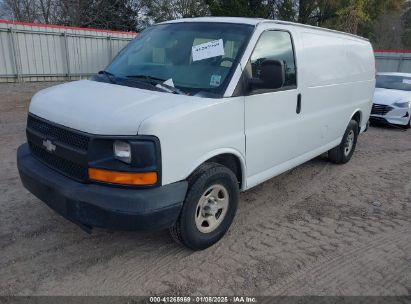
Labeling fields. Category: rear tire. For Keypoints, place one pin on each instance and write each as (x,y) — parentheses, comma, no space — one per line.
(209,207)
(344,151)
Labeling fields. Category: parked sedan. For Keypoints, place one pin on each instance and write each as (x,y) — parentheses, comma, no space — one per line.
(392,99)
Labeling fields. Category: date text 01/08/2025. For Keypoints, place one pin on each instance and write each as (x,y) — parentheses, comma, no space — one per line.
(203,299)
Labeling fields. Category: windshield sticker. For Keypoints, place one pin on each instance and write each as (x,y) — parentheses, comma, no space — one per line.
(215,80)
(406,81)
(208,50)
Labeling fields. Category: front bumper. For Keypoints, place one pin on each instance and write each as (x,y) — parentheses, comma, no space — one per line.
(94,205)
(397,116)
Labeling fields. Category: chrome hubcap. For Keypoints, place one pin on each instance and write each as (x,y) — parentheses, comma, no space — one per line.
(211,208)
(349,143)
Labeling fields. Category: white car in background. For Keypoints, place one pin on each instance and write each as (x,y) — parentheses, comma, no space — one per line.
(392,99)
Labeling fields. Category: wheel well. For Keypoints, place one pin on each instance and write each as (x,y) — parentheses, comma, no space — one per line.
(357,118)
(231,162)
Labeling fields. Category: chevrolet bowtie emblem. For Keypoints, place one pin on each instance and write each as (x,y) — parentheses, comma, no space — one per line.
(49,145)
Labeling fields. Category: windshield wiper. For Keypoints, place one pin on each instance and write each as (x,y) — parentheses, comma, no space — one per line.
(109,75)
(147,77)
(157,81)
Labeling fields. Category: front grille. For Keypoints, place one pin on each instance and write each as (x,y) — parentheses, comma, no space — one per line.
(73,143)
(62,165)
(379,109)
(59,134)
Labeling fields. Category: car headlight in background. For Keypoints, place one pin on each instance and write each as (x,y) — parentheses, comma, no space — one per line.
(122,151)
(402,104)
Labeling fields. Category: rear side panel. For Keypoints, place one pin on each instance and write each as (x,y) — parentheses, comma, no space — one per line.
(338,77)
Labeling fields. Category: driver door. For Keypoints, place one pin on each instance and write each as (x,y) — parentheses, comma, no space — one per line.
(274,118)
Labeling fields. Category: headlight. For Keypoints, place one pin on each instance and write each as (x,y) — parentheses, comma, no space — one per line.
(131,160)
(122,151)
(402,104)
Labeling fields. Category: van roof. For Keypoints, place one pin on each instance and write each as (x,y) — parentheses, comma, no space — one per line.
(256,21)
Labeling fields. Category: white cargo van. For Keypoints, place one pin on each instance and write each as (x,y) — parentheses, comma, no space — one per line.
(189,114)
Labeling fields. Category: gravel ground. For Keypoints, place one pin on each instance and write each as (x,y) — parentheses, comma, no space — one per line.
(311,231)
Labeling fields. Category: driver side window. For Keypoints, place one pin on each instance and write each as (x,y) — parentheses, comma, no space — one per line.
(275,45)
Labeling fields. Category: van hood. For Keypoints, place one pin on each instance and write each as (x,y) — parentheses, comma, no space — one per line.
(101,108)
(388,97)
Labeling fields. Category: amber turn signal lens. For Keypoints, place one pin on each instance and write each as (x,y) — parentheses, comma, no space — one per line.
(124,178)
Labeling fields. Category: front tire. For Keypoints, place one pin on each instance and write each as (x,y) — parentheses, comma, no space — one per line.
(344,151)
(209,207)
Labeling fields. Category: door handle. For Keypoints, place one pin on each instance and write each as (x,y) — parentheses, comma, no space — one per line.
(298,109)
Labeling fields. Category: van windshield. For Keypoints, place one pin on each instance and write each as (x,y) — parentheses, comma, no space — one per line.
(394,82)
(190,56)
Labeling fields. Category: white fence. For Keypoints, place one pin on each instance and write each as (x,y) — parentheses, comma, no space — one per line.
(393,60)
(37,52)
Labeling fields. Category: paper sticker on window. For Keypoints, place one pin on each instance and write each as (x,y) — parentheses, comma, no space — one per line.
(406,81)
(208,50)
(215,80)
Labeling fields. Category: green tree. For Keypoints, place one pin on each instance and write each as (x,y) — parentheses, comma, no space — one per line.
(376,9)
(306,9)
(350,14)
(406,18)
(104,14)
(109,14)
(239,8)
(387,31)
(287,10)
(162,10)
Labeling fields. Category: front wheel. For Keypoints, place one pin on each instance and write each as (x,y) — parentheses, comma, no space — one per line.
(344,151)
(209,207)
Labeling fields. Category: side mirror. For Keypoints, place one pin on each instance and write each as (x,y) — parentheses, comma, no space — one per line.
(272,75)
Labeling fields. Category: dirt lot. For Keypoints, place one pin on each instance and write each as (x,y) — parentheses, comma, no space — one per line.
(313,230)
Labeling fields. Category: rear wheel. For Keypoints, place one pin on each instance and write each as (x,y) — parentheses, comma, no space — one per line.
(209,207)
(344,151)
